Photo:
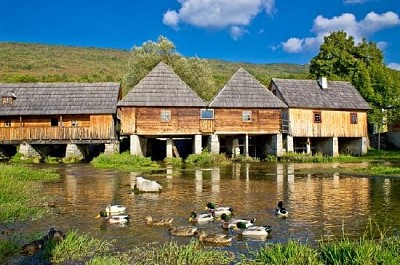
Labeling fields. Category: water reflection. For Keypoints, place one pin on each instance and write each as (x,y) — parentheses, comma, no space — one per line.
(319,204)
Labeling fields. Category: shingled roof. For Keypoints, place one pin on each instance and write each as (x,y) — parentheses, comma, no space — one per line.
(309,94)
(244,91)
(59,98)
(161,87)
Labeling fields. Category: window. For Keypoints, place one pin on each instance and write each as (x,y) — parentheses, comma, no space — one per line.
(54,122)
(165,115)
(246,115)
(207,114)
(317,117)
(7,123)
(353,118)
(74,123)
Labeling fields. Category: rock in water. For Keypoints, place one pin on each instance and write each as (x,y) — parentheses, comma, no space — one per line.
(146,185)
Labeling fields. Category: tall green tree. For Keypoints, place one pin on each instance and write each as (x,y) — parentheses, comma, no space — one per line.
(362,64)
(195,72)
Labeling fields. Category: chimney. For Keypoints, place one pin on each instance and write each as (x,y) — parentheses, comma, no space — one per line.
(323,82)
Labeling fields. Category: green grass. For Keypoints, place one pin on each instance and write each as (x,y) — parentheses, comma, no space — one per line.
(7,249)
(124,162)
(206,159)
(75,247)
(20,196)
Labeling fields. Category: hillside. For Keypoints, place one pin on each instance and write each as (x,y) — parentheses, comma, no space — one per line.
(21,62)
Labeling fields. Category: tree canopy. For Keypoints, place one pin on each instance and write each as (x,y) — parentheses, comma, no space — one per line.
(362,64)
(195,72)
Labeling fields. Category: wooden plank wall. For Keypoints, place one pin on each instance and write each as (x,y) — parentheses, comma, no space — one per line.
(334,123)
(266,121)
(39,128)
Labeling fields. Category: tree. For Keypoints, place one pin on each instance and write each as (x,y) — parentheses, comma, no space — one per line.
(340,58)
(196,73)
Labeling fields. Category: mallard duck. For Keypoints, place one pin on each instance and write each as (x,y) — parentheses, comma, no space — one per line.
(151,221)
(114,218)
(33,247)
(114,209)
(229,223)
(218,239)
(280,211)
(201,217)
(182,230)
(218,211)
(255,230)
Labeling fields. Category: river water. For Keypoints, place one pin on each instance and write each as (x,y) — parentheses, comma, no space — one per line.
(320,205)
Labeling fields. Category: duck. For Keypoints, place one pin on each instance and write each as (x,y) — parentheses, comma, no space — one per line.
(116,208)
(33,247)
(201,217)
(218,211)
(182,231)
(151,221)
(114,218)
(255,230)
(280,211)
(217,239)
(54,235)
(229,223)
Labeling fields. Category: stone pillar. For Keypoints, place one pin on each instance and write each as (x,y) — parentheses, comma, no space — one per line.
(28,151)
(197,144)
(169,147)
(329,146)
(358,146)
(73,151)
(289,143)
(214,144)
(137,145)
(280,151)
(308,146)
(246,145)
(112,148)
(335,146)
(235,147)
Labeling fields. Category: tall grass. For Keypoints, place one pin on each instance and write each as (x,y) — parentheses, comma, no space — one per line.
(206,159)
(20,196)
(124,161)
(75,247)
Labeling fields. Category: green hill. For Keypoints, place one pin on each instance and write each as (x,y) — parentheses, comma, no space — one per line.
(21,62)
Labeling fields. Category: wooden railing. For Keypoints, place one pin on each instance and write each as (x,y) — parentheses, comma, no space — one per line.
(56,133)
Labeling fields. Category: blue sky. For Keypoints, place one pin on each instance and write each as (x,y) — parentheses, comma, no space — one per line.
(255,31)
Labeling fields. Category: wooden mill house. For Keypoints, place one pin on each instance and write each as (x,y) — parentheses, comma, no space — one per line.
(247,118)
(71,117)
(326,117)
(161,116)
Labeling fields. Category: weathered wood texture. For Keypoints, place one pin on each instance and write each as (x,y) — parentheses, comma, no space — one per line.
(334,123)
(394,127)
(147,121)
(263,121)
(93,127)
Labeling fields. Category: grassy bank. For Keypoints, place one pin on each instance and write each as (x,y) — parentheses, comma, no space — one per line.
(20,197)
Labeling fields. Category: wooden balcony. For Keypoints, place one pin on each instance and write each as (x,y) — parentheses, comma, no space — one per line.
(56,134)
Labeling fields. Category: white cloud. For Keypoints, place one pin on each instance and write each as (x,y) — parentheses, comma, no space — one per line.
(347,22)
(395,66)
(237,32)
(217,13)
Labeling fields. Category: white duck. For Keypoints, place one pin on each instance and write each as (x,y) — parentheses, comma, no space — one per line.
(254,231)
(218,211)
(115,209)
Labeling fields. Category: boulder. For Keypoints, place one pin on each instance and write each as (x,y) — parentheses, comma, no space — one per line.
(146,185)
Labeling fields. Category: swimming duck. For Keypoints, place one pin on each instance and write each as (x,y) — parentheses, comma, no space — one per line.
(280,211)
(151,221)
(114,209)
(229,223)
(182,231)
(114,218)
(218,211)
(201,217)
(218,239)
(255,230)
